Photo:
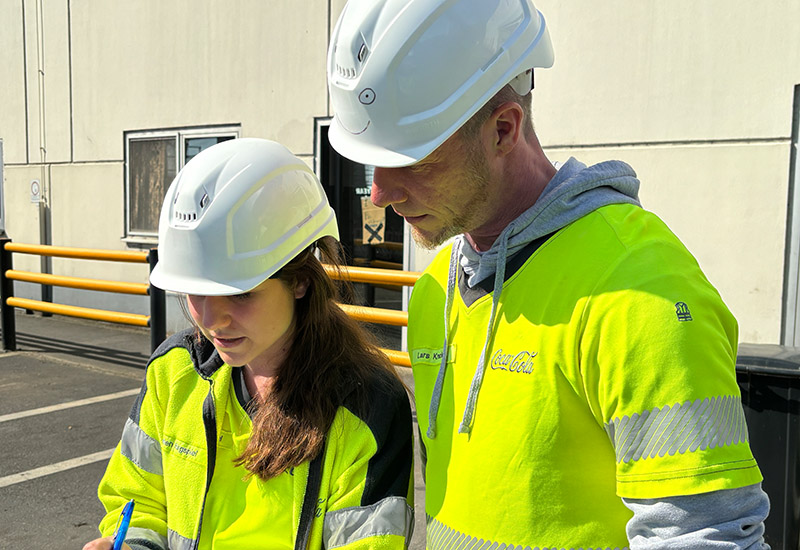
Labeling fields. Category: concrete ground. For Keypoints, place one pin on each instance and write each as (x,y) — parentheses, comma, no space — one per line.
(64,397)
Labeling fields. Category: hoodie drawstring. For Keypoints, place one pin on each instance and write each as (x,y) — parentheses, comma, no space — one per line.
(477,380)
(433,411)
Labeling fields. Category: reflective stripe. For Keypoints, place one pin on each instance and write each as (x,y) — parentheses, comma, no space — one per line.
(704,423)
(146,538)
(141,449)
(441,537)
(390,516)
(179,542)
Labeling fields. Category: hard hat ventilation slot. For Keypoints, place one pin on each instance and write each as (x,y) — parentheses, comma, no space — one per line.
(186,216)
(204,201)
(362,53)
(345,72)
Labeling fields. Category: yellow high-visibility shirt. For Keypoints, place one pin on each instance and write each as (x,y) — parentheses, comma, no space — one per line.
(610,373)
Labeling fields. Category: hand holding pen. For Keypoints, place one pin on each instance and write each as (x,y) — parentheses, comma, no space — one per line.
(117,541)
(122,525)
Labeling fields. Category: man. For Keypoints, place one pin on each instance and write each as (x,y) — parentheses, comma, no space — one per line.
(574,369)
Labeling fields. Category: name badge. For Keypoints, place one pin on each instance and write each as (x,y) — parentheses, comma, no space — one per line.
(432,356)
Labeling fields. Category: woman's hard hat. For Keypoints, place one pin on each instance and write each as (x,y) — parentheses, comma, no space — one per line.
(404,75)
(234,215)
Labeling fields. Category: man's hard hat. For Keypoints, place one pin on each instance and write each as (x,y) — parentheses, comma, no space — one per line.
(234,215)
(404,75)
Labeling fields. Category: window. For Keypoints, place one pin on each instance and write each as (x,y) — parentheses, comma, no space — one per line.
(152,160)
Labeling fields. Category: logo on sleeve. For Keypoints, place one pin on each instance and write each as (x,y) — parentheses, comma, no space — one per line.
(521,362)
(682,311)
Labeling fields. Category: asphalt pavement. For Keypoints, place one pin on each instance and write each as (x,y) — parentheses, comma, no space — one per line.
(64,397)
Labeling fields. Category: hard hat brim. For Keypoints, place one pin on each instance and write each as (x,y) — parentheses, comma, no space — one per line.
(363,152)
(195,286)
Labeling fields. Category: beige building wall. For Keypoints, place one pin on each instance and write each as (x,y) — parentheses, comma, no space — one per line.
(12,85)
(188,63)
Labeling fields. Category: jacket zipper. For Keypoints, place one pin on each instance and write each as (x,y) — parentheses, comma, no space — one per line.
(210,425)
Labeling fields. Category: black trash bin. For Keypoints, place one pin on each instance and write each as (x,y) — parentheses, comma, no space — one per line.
(769,378)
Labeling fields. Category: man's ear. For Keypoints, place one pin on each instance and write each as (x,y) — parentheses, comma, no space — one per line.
(300,289)
(506,126)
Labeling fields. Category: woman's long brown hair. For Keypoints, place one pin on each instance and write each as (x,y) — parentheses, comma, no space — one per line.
(331,358)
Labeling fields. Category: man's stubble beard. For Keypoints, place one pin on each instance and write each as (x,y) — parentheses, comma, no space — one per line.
(477,177)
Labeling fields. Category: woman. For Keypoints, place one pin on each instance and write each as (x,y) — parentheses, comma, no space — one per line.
(277,423)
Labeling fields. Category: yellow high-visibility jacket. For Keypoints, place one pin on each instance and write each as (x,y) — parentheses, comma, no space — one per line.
(175,458)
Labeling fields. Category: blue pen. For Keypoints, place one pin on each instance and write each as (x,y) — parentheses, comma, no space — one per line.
(122,525)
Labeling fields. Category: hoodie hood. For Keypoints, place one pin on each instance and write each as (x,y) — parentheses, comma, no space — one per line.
(575,191)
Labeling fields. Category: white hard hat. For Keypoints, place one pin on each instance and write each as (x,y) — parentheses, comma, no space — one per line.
(404,75)
(234,215)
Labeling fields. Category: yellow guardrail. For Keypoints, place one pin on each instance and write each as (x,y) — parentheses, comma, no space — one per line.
(82,312)
(374,275)
(377,315)
(156,321)
(78,253)
(398,358)
(76,282)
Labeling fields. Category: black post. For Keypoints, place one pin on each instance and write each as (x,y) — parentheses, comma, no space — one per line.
(46,262)
(9,323)
(158,307)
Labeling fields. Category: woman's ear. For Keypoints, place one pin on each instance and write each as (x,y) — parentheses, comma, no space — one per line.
(300,288)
